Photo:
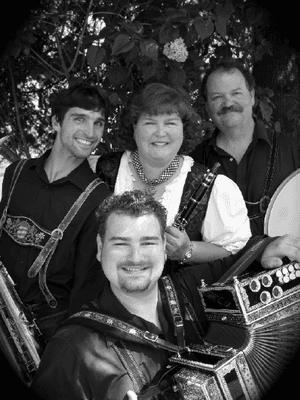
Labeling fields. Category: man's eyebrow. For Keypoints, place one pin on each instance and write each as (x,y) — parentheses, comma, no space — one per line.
(127,239)
(124,238)
(78,114)
(149,238)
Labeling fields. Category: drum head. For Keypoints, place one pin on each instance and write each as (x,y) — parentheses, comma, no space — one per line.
(283,213)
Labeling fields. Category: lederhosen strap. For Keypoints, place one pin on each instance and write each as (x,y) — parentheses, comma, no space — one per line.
(41,263)
(136,334)
(173,303)
(49,248)
(258,208)
(15,177)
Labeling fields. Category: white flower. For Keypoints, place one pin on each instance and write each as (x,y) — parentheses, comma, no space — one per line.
(176,50)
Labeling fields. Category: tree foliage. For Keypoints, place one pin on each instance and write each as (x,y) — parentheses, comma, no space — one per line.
(120,45)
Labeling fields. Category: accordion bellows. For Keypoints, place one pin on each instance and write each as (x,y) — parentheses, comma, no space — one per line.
(257,319)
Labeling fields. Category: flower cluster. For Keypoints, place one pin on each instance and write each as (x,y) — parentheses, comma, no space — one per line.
(176,50)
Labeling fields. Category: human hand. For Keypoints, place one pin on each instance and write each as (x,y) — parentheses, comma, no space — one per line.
(131,395)
(283,246)
(177,243)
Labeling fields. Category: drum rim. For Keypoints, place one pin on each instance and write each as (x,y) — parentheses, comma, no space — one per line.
(274,198)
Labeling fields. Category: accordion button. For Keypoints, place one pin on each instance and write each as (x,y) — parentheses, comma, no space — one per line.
(285,271)
(291,268)
(292,276)
(254,285)
(266,280)
(265,297)
(280,280)
(277,292)
(286,279)
(296,265)
(297,273)
(278,273)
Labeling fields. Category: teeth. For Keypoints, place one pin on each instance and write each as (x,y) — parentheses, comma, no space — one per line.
(134,269)
(83,141)
(160,144)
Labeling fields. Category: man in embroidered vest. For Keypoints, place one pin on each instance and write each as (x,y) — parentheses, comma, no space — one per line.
(120,342)
(47,260)
(255,158)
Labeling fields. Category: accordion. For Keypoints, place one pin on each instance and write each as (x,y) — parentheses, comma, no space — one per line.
(254,334)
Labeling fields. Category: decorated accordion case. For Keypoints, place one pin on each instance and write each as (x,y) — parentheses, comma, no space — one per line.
(214,372)
(250,299)
(254,333)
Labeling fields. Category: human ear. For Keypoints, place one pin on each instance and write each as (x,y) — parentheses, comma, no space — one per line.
(55,123)
(99,247)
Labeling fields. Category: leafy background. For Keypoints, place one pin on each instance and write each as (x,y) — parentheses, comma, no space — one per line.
(119,46)
(48,44)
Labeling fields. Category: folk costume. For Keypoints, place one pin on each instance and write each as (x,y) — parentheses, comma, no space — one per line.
(103,350)
(220,218)
(46,255)
(270,158)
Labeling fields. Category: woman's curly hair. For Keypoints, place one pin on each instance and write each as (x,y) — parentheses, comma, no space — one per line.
(155,99)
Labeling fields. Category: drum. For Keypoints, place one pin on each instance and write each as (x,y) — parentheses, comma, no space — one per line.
(283,215)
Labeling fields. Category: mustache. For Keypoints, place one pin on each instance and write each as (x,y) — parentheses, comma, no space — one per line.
(233,108)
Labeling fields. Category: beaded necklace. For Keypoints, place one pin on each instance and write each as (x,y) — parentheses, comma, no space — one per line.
(150,183)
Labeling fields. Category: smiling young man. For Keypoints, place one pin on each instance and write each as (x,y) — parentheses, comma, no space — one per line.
(255,157)
(122,340)
(48,261)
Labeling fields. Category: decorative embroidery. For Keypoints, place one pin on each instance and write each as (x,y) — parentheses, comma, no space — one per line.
(25,232)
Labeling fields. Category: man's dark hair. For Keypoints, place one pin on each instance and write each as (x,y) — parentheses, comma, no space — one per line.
(227,64)
(80,95)
(132,203)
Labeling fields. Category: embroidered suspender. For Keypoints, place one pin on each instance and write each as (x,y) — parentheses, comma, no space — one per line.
(15,177)
(128,329)
(130,365)
(265,199)
(47,252)
(124,354)
(175,310)
(41,263)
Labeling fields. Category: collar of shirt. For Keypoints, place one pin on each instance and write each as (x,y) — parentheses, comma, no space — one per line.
(80,176)
(107,303)
(260,133)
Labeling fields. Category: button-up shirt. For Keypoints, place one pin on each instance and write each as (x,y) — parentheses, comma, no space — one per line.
(46,203)
(249,174)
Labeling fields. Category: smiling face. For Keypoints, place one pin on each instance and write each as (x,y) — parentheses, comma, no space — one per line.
(132,253)
(158,137)
(80,132)
(229,101)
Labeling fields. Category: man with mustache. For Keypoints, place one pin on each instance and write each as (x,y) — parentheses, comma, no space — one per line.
(121,341)
(255,157)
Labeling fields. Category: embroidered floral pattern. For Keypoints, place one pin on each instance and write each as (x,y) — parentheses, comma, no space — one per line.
(24,231)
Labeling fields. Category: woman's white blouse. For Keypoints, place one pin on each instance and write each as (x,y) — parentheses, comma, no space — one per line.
(226,222)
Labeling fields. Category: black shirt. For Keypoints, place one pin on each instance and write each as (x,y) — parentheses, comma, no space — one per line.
(46,204)
(250,173)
